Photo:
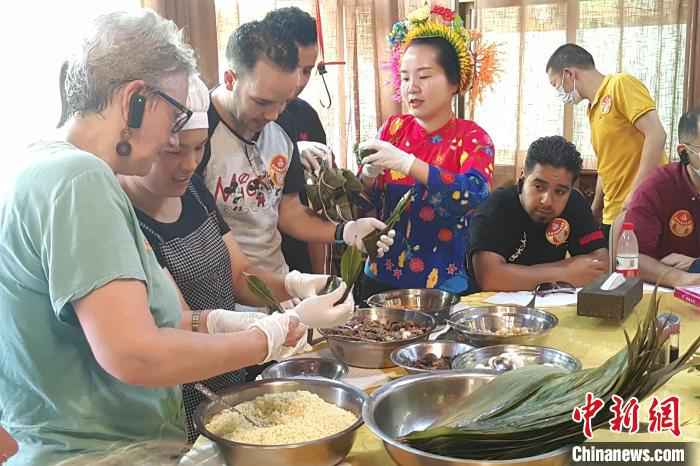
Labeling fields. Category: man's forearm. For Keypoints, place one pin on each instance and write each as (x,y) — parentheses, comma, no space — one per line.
(652,154)
(653,271)
(512,277)
(598,197)
(302,223)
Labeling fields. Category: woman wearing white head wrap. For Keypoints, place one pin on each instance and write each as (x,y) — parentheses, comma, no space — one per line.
(191,240)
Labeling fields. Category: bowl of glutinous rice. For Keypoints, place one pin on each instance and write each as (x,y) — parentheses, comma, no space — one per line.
(309,422)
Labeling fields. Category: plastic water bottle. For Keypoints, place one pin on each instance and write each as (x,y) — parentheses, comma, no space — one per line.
(627,259)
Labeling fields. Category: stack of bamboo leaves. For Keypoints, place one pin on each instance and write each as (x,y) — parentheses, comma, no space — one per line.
(528,411)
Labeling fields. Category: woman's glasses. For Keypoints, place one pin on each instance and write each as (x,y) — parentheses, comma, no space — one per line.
(182,118)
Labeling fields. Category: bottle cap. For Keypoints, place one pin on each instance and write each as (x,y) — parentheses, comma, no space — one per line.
(628,226)
(670,323)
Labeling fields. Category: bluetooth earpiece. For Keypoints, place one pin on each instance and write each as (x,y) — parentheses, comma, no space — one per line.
(137,106)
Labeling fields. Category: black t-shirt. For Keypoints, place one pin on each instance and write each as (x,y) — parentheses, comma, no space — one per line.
(193,250)
(501,225)
(301,123)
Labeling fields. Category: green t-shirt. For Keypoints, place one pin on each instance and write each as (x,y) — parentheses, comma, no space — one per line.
(66,229)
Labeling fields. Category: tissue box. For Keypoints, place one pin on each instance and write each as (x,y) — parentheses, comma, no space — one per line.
(613,304)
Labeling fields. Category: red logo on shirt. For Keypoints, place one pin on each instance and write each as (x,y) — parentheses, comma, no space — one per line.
(558,231)
(606,104)
(681,223)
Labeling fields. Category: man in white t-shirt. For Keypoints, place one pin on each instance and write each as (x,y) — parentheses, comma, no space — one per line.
(249,158)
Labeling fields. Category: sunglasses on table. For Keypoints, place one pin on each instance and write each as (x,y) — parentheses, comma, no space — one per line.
(546,288)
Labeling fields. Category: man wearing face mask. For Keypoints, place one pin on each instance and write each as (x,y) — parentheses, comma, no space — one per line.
(626,133)
(520,236)
(665,210)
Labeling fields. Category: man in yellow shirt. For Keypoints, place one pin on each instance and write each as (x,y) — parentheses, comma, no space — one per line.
(626,133)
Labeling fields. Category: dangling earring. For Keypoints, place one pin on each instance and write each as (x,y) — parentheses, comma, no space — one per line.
(124,146)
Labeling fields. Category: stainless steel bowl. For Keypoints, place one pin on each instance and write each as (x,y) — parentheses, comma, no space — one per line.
(306,367)
(502,358)
(327,451)
(376,355)
(478,324)
(416,401)
(407,356)
(435,302)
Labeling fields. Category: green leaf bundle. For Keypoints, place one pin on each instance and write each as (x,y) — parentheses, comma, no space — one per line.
(528,411)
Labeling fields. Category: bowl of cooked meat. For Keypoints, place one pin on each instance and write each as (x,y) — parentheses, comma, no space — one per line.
(428,356)
(368,339)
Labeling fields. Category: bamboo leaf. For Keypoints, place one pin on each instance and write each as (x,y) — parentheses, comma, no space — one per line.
(370,241)
(259,289)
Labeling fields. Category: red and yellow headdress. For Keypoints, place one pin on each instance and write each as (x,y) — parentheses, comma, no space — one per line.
(477,63)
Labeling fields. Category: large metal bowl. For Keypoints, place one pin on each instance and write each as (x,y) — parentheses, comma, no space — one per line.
(407,356)
(502,358)
(478,325)
(415,402)
(435,302)
(306,367)
(376,355)
(327,451)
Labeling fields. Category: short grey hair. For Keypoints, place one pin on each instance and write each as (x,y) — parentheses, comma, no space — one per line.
(121,47)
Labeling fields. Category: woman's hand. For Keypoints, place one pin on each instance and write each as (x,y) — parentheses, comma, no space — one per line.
(320,311)
(387,157)
(304,285)
(354,232)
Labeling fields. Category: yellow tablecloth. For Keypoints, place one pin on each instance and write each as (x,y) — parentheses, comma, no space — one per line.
(592,341)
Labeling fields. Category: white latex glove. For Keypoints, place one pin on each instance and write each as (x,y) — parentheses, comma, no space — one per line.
(301,346)
(225,321)
(312,152)
(304,285)
(276,330)
(388,156)
(370,171)
(319,311)
(355,230)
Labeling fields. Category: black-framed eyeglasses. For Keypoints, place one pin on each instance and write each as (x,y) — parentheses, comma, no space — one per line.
(543,289)
(184,115)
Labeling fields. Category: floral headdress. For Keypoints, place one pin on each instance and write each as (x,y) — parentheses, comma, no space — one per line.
(477,63)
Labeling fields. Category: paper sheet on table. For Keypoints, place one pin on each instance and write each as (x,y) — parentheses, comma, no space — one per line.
(522,298)
(649,288)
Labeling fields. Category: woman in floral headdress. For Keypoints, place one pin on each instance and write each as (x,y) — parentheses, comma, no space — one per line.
(448,161)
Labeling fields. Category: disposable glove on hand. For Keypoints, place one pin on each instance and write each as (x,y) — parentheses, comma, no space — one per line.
(298,346)
(276,328)
(319,311)
(225,321)
(371,171)
(311,153)
(304,285)
(355,230)
(387,157)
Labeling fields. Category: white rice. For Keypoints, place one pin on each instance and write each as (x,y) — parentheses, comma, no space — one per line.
(294,417)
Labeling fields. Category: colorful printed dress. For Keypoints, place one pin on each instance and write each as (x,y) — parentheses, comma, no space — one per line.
(432,236)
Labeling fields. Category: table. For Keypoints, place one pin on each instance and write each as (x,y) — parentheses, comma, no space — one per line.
(591,340)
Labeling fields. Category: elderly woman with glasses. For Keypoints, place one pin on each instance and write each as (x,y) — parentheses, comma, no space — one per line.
(94,341)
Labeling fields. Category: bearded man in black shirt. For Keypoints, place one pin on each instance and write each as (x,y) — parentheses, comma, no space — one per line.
(521,235)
